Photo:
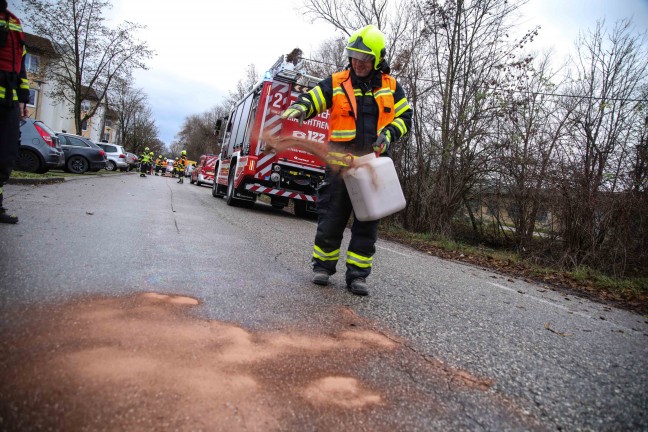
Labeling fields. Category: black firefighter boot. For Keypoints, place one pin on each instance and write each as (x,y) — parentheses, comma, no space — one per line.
(4,216)
(358,286)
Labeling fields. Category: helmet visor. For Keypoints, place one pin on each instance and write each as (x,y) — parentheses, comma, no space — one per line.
(360,55)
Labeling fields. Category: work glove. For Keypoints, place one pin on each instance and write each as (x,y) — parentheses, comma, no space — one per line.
(297,111)
(382,142)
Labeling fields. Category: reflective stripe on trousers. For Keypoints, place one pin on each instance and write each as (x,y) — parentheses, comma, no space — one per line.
(334,209)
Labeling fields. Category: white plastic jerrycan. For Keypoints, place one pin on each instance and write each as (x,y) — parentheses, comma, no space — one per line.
(374,188)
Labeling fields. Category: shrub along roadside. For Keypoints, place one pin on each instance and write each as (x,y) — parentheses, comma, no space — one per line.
(629,293)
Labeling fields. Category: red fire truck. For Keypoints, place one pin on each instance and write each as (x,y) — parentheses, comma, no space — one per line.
(203,172)
(244,170)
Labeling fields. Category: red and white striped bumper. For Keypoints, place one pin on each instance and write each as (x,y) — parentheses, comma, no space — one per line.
(280,192)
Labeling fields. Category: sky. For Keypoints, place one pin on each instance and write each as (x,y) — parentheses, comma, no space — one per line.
(203,47)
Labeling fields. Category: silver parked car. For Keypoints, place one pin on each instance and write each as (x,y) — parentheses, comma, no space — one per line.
(40,149)
(116,155)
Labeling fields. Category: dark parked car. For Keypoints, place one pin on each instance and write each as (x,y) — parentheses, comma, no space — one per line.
(40,149)
(81,154)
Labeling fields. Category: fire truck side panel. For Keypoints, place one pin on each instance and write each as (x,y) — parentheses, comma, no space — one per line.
(292,174)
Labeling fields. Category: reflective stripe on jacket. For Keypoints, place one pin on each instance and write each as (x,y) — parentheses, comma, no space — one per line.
(320,98)
(344,110)
(13,74)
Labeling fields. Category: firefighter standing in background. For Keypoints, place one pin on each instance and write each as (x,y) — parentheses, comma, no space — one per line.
(14,96)
(369,111)
(158,164)
(145,162)
(182,162)
(174,169)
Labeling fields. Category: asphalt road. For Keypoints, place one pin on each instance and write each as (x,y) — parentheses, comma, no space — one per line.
(143,304)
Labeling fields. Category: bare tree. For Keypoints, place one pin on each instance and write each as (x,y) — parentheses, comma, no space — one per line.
(348,15)
(127,102)
(609,74)
(197,135)
(467,48)
(328,58)
(144,133)
(532,125)
(90,55)
(244,85)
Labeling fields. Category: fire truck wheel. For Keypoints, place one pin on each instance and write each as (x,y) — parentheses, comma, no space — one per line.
(300,208)
(231,200)
(215,192)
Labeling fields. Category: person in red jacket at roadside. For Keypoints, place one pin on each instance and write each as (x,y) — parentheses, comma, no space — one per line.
(14,96)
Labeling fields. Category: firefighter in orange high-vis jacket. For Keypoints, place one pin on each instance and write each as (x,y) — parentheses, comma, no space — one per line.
(368,113)
(173,170)
(14,96)
(159,165)
(180,165)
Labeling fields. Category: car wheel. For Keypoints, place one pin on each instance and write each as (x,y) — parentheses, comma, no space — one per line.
(28,161)
(111,166)
(77,164)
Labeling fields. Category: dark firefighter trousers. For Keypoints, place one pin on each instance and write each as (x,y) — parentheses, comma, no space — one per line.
(9,141)
(333,211)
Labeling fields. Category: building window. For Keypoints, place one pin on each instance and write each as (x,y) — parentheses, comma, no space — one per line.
(108,123)
(32,63)
(85,105)
(33,98)
(106,137)
(84,125)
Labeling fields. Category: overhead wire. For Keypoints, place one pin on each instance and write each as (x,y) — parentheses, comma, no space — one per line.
(530,92)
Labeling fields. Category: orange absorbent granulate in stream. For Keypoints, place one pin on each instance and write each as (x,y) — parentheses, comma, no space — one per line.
(336,159)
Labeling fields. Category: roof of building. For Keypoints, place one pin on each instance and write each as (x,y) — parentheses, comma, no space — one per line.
(39,45)
(90,93)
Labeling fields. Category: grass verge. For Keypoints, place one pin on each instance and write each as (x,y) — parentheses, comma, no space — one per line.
(58,173)
(628,293)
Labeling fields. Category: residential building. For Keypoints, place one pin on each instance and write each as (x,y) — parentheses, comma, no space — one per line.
(58,114)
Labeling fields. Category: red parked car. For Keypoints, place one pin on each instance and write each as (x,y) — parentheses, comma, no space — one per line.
(203,172)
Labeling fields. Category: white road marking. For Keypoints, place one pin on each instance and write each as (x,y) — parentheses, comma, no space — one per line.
(559,306)
(391,250)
